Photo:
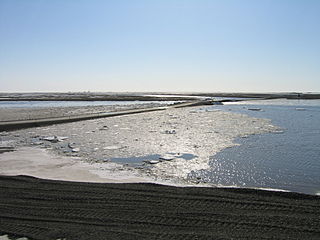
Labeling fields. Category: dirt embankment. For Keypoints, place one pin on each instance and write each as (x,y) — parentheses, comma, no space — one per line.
(46,209)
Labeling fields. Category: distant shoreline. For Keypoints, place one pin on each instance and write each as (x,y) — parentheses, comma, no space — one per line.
(88,96)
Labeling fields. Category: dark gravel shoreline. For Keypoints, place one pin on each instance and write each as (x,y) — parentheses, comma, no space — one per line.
(47,209)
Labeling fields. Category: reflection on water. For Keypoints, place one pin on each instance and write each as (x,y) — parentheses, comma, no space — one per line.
(290,160)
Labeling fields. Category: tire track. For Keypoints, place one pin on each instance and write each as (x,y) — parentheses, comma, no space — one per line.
(47,209)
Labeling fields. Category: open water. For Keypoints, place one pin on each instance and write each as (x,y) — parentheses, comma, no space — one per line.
(288,159)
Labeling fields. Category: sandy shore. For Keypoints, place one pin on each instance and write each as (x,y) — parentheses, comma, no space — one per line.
(46,209)
(40,163)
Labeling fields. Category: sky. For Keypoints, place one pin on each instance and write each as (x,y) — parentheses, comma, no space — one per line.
(163,45)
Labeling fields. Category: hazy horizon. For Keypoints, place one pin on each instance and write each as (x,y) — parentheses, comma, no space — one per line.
(160,46)
(159,92)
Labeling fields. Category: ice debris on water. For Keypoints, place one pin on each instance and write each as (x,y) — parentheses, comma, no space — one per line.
(6,237)
(60,139)
(167,157)
(300,109)
(104,127)
(71,145)
(278,131)
(254,109)
(152,161)
(114,147)
(54,139)
(170,131)
(75,149)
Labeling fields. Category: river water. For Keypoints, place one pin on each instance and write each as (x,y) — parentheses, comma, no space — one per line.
(288,159)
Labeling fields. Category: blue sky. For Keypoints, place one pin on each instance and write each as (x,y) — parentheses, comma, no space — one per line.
(167,45)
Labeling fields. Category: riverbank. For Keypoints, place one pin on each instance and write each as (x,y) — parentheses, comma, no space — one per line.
(46,209)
